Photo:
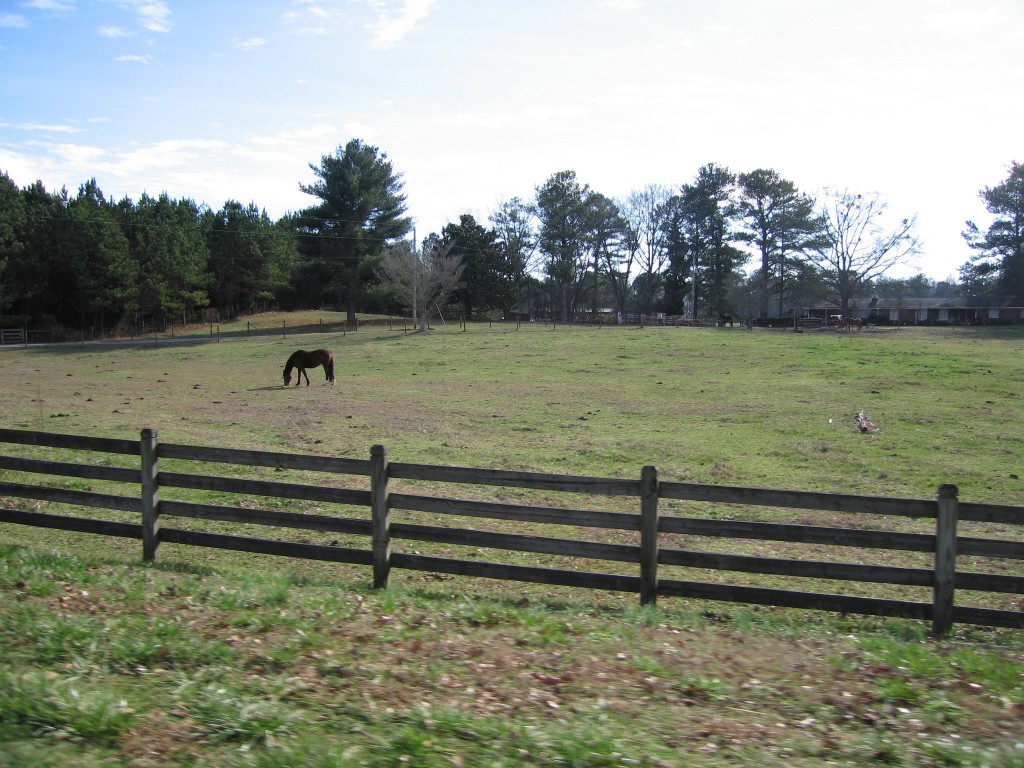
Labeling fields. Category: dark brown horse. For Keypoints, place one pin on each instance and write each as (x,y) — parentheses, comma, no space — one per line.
(302,360)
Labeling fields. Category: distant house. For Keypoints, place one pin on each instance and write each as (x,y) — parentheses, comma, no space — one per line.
(928,311)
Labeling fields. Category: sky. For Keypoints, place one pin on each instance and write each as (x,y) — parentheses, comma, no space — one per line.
(475,102)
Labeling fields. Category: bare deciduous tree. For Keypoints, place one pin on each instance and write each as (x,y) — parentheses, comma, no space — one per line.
(859,248)
(647,239)
(421,278)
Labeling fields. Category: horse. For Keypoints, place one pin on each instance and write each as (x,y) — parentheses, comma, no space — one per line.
(723,319)
(854,322)
(302,360)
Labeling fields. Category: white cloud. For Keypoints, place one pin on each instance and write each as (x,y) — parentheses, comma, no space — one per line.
(389,29)
(497,120)
(968,20)
(311,31)
(41,127)
(678,40)
(363,130)
(311,18)
(154,16)
(75,155)
(540,113)
(532,114)
(299,136)
(205,170)
(114,33)
(134,57)
(249,45)
(21,167)
(56,6)
(173,153)
(13,20)
(321,12)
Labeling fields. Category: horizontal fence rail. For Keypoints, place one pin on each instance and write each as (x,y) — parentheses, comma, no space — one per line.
(645,539)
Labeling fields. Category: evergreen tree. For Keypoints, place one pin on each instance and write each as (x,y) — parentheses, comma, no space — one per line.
(781,223)
(484,269)
(1000,259)
(94,272)
(250,258)
(561,208)
(169,256)
(361,209)
(703,213)
(12,232)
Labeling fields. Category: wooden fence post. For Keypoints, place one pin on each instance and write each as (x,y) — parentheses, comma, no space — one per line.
(150,501)
(649,535)
(945,559)
(379,512)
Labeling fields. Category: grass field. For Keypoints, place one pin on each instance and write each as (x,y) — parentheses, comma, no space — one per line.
(748,408)
(213,658)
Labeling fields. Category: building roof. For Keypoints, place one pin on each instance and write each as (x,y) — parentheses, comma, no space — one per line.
(912,302)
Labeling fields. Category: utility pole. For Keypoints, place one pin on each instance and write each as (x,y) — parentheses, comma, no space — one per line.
(693,287)
(416,278)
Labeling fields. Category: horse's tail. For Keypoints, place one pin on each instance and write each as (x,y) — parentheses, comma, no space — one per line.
(330,368)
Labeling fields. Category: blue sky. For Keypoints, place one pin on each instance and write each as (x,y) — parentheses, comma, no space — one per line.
(475,101)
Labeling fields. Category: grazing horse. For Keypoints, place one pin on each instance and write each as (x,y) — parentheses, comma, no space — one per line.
(302,360)
(854,322)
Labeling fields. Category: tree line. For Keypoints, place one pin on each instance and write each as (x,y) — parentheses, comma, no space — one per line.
(94,264)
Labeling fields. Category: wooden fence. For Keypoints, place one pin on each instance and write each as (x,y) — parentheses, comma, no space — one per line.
(647,525)
(12,336)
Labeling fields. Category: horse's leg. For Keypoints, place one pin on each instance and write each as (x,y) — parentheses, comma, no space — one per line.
(298,376)
(307,376)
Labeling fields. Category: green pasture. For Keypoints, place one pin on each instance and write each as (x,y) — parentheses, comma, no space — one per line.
(761,408)
(218,658)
